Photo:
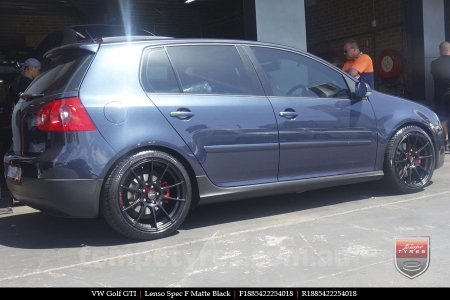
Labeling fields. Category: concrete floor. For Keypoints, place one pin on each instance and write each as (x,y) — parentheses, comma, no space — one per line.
(337,237)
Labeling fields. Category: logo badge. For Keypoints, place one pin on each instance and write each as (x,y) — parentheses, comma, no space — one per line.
(412,255)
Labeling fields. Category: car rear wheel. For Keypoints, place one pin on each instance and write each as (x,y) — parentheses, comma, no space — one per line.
(147,195)
(409,160)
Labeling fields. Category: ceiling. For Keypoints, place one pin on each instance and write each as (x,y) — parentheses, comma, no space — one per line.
(201,18)
(49,7)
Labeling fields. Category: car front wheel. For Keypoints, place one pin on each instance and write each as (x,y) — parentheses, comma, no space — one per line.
(409,160)
(147,195)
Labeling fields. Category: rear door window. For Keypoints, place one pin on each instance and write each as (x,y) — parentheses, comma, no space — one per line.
(213,69)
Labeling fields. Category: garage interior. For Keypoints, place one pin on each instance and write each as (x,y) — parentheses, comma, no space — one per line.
(24,23)
(378,25)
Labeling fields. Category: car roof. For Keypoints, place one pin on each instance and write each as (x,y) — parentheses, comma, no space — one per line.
(160,40)
(145,41)
(97,30)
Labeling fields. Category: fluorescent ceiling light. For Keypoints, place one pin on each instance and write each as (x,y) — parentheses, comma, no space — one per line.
(189,1)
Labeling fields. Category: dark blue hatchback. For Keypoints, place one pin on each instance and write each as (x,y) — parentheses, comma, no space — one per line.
(143,130)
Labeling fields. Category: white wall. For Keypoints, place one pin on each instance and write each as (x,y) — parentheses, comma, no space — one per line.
(433,34)
(281,22)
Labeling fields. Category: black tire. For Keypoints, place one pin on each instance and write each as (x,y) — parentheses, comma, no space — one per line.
(147,195)
(409,160)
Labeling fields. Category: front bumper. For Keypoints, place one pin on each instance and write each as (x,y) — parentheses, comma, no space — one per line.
(440,159)
(440,147)
(64,197)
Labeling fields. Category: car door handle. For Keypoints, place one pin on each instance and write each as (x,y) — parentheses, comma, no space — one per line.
(288,114)
(182,114)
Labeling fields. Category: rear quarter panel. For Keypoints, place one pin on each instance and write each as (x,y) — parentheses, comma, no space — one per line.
(121,110)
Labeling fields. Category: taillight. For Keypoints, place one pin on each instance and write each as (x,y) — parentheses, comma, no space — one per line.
(66,114)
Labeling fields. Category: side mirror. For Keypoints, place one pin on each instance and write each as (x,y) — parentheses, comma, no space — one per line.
(362,90)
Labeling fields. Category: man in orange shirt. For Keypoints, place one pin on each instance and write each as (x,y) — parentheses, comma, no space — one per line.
(358,64)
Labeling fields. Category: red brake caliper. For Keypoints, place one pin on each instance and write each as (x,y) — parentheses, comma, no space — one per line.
(166,193)
(418,160)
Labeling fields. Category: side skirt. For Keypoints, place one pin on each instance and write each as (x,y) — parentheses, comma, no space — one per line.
(210,193)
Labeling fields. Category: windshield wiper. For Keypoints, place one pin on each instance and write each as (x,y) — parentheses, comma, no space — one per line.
(27,97)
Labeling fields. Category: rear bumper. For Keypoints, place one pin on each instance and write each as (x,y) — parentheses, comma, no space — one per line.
(63,197)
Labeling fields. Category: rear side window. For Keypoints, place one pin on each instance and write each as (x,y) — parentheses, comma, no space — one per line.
(213,69)
(63,73)
(157,73)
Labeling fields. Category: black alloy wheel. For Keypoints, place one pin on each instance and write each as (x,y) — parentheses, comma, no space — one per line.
(409,160)
(147,195)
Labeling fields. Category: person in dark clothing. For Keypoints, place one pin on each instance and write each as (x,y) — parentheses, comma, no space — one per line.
(30,70)
(440,69)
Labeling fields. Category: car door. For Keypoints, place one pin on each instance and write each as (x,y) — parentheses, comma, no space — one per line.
(323,132)
(215,102)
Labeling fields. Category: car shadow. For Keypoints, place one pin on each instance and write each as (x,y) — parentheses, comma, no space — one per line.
(36,230)
(213,214)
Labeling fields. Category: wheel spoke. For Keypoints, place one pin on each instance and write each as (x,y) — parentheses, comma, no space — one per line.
(141,213)
(174,199)
(131,205)
(415,142)
(401,150)
(403,173)
(420,150)
(418,175)
(171,186)
(165,212)
(138,177)
(427,156)
(163,173)
(425,170)
(407,144)
(142,176)
(144,172)
(151,173)
(409,175)
(154,217)
(130,189)
(400,161)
